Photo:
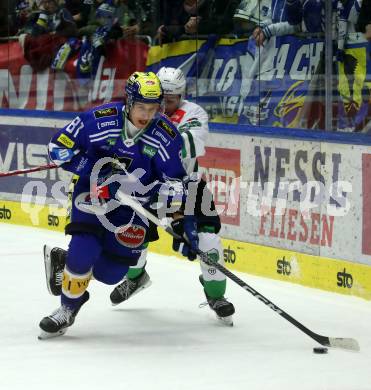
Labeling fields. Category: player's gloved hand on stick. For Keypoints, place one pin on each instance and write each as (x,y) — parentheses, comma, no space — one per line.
(107,184)
(186,227)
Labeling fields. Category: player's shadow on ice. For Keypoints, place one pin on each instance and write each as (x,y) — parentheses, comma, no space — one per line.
(143,327)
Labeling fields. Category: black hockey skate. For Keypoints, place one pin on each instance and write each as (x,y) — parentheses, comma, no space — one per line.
(129,287)
(222,308)
(54,260)
(57,323)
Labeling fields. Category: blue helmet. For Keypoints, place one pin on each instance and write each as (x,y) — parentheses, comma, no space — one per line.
(144,87)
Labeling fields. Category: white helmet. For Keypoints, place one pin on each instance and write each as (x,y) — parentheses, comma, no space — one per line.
(173,81)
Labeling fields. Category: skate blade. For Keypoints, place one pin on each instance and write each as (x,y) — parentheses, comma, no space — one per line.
(47,251)
(227,321)
(134,293)
(46,335)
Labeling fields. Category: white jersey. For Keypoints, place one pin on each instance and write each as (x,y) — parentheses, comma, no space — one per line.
(192,123)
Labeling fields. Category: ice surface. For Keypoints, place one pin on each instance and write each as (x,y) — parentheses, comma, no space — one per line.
(162,340)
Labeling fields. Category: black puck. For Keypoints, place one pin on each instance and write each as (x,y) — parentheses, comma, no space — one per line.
(320,350)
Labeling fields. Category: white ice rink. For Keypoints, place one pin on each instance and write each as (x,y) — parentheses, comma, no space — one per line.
(162,340)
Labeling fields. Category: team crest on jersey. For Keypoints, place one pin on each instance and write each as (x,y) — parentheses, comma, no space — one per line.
(126,161)
(167,128)
(192,122)
(103,112)
(130,236)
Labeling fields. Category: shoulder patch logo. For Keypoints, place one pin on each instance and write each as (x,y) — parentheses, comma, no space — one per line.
(66,141)
(149,150)
(177,116)
(167,128)
(101,113)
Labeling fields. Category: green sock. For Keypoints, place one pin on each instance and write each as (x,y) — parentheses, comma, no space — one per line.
(134,272)
(215,288)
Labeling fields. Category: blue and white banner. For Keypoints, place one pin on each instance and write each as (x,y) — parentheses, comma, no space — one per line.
(281,84)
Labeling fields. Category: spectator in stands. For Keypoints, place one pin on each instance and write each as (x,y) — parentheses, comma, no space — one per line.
(364,20)
(196,17)
(50,18)
(80,11)
(147,15)
(173,18)
(46,31)
(137,17)
(250,14)
(20,16)
(103,25)
(127,18)
(275,23)
(210,16)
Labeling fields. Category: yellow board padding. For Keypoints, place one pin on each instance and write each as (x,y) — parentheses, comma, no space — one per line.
(323,273)
(38,215)
(73,286)
(320,272)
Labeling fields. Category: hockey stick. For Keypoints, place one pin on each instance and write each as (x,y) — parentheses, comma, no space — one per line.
(28,170)
(334,342)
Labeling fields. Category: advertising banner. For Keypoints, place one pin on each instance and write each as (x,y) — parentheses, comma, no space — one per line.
(304,196)
(23,147)
(281,84)
(221,168)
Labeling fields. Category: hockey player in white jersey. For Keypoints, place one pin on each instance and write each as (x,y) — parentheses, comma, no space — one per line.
(192,122)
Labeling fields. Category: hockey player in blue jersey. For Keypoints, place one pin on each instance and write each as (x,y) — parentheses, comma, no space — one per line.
(134,138)
(192,123)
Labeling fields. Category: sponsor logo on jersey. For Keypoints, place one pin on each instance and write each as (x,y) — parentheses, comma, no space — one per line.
(82,163)
(5,213)
(177,116)
(102,125)
(149,151)
(101,113)
(213,256)
(66,141)
(131,236)
(61,154)
(167,128)
(161,136)
(111,141)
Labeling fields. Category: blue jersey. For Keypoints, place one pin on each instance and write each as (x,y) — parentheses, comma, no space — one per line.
(101,132)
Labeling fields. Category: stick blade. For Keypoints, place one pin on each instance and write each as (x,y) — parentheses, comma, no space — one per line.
(344,343)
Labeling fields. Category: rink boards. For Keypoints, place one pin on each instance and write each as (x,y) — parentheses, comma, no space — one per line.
(293,208)
(313,271)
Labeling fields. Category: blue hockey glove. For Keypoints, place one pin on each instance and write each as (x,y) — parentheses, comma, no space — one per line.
(186,227)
